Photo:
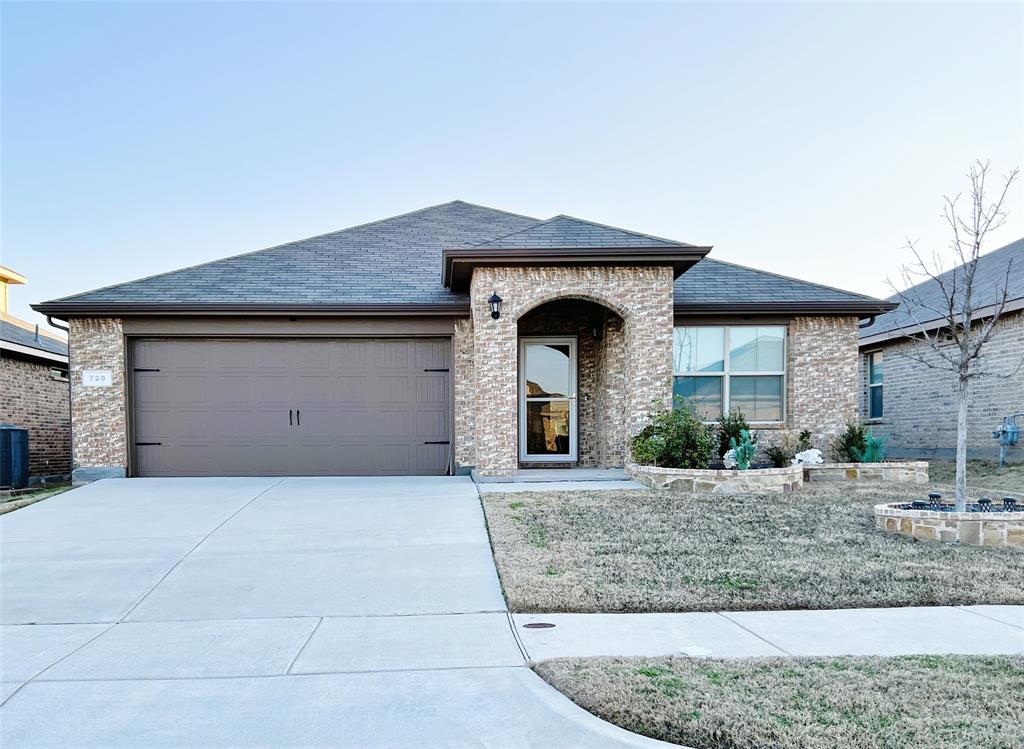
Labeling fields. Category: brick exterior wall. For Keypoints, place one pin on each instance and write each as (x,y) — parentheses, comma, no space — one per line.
(641,296)
(33,398)
(919,410)
(822,377)
(98,415)
(463,377)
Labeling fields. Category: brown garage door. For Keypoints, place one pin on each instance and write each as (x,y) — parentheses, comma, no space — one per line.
(288,407)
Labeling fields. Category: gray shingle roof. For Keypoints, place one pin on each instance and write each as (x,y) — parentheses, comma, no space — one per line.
(393,261)
(17,334)
(398,261)
(989,278)
(718,282)
(566,231)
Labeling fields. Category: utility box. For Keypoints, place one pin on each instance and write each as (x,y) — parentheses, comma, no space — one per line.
(13,457)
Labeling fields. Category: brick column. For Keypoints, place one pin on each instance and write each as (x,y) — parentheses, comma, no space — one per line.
(99,432)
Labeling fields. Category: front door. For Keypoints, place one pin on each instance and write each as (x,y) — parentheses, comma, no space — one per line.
(547,399)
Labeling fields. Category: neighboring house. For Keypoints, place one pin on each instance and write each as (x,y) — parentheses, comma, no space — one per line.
(34,389)
(380,349)
(914,404)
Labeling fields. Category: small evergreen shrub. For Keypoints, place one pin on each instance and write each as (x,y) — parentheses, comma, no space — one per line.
(743,450)
(782,453)
(731,427)
(872,451)
(804,441)
(674,438)
(852,437)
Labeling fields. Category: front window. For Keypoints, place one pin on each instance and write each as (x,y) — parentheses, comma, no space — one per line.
(723,368)
(875,371)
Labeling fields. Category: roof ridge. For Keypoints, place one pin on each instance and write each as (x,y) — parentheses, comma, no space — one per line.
(72,297)
(791,278)
(624,231)
(513,233)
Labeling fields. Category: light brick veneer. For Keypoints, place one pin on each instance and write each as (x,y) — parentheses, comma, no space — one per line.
(641,296)
(98,421)
(822,375)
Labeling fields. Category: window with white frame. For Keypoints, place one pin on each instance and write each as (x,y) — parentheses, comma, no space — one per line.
(875,372)
(743,367)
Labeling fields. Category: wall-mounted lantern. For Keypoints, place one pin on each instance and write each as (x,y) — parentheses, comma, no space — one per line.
(495,302)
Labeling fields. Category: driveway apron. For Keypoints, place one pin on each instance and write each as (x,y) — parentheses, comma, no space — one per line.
(265,612)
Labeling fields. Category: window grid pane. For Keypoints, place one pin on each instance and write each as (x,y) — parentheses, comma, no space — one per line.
(756,351)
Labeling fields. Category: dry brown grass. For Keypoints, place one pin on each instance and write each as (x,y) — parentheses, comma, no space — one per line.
(648,551)
(11,501)
(938,702)
(982,476)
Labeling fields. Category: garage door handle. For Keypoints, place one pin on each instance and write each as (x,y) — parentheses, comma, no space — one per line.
(143,369)
(436,370)
(144,444)
(289,417)
(437,442)
(298,417)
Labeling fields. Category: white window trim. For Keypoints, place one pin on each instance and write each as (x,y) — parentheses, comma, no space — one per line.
(726,373)
(870,355)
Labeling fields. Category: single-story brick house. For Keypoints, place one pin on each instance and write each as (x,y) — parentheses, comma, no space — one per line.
(381,349)
(34,391)
(913,404)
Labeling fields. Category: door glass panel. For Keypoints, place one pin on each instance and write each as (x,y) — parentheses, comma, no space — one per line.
(547,370)
(547,427)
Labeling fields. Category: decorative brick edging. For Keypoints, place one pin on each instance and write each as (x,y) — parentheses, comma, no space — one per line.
(914,472)
(786,479)
(974,528)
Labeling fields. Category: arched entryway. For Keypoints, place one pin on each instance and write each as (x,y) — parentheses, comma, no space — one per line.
(571,385)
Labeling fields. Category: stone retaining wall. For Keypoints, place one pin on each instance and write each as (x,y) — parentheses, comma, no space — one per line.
(913,473)
(718,481)
(974,528)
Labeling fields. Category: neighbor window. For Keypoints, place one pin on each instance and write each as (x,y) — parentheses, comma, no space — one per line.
(875,372)
(719,369)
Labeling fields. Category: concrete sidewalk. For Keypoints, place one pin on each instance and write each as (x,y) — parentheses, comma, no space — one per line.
(967,630)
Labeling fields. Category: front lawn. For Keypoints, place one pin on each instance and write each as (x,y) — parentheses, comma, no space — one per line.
(939,702)
(648,551)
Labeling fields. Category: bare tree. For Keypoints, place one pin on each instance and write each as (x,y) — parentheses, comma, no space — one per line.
(952,314)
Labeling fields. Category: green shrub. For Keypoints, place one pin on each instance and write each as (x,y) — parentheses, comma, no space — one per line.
(743,450)
(872,451)
(804,441)
(674,438)
(852,438)
(731,427)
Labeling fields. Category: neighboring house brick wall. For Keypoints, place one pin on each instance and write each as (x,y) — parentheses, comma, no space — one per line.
(33,398)
(98,418)
(642,296)
(822,375)
(919,407)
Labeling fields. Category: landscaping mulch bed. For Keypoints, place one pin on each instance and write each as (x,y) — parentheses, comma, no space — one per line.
(640,551)
(939,702)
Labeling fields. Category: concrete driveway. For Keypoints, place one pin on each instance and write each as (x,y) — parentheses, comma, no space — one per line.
(244,612)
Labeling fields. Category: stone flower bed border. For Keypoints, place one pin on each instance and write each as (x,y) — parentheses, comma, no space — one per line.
(974,528)
(915,472)
(724,481)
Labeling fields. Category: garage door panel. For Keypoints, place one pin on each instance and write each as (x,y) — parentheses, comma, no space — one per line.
(222,406)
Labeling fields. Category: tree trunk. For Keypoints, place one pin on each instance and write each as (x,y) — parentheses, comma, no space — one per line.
(961,444)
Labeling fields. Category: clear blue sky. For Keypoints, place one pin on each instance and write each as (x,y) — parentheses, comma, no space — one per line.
(808,139)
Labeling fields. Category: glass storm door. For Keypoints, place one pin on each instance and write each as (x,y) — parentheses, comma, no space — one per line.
(547,399)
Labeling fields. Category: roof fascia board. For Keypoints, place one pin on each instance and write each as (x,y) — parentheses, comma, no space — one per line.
(458,262)
(926,327)
(36,353)
(853,307)
(64,310)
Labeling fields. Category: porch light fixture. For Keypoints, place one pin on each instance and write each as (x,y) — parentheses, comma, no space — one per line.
(495,302)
